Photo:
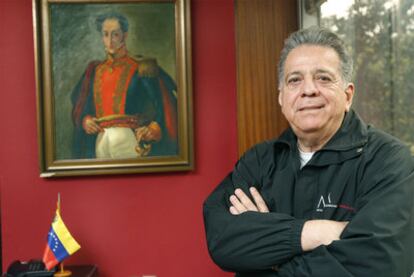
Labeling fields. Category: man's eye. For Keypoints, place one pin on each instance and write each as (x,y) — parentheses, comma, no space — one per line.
(293,80)
(324,79)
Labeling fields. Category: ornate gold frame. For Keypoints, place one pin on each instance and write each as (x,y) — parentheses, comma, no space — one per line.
(50,166)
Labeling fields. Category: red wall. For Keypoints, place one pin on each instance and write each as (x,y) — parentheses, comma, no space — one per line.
(129,225)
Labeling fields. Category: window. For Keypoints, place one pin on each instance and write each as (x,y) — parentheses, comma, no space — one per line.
(380,37)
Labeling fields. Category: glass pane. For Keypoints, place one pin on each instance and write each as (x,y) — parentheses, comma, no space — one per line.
(380,36)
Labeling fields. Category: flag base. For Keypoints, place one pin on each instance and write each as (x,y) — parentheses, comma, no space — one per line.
(64,273)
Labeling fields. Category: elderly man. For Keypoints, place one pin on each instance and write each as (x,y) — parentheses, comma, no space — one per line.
(123,107)
(331,196)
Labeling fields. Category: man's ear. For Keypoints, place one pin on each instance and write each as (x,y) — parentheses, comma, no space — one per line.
(279,98)
(349,92)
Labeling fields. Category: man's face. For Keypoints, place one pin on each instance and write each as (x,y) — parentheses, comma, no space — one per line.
(313,95)
(112,35)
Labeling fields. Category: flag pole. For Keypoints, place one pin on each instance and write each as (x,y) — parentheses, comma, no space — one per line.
(62,272)
(58,203)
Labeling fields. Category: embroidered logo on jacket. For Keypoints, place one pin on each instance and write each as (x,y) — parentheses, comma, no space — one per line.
(322,204)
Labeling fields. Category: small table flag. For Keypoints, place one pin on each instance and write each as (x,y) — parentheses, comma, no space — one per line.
(60,243)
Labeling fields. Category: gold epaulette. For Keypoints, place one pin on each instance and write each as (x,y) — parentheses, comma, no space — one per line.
(147,67)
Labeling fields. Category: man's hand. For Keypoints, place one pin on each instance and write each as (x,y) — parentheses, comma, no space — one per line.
(152,132)
(321,232)
(90,126)
(241,202)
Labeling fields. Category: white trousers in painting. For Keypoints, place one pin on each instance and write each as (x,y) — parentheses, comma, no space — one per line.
(116,143)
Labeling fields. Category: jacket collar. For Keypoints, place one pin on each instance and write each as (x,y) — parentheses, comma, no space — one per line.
(353,133)
(347,143)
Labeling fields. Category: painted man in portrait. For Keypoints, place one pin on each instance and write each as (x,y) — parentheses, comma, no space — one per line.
(123,106)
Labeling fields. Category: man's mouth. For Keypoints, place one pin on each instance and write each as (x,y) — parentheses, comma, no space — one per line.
(310,108)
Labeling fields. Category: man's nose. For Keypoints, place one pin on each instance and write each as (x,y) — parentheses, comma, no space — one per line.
(113,39)
(309,87)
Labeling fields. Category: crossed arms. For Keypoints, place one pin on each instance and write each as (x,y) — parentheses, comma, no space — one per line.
(245,234)
(314,233)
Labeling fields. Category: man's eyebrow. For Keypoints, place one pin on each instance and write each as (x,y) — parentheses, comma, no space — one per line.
(322,70)
(316,71)
(293,73)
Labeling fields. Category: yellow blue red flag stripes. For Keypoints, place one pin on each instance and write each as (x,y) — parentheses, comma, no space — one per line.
(60,243)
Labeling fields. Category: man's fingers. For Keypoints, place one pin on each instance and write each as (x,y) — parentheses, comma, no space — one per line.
(95,127)
(260,203)
(237,204)
(242,203)
(141,133)
(92,127)
(245,200)
(233,210)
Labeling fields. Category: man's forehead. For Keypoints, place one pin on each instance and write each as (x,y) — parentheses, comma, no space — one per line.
(111,23)
(312,58)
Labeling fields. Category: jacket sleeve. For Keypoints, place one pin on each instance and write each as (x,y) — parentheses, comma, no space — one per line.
(251,241)
(379,240)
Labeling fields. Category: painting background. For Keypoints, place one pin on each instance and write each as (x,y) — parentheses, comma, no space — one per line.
(75,41)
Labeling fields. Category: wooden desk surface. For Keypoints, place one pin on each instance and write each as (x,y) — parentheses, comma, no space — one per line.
(83,270)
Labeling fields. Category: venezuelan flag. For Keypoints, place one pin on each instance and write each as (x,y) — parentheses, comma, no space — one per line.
(60,243)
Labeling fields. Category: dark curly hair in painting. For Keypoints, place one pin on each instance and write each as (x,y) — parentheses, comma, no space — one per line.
(121,19)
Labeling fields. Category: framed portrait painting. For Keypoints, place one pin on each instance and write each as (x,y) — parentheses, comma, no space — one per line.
(113,86)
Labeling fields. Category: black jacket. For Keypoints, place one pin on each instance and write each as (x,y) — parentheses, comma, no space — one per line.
(361,175)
